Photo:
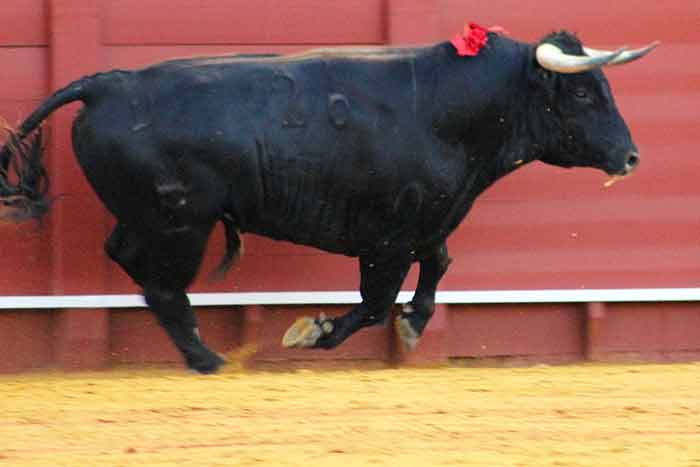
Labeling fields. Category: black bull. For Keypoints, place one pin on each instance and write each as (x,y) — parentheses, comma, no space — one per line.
(372,153)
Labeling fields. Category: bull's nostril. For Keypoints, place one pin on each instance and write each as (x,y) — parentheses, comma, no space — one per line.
(633,160)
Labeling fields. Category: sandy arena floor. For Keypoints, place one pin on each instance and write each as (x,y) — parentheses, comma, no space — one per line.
(592,415)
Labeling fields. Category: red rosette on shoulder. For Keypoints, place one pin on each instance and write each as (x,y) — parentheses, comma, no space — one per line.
(473,39)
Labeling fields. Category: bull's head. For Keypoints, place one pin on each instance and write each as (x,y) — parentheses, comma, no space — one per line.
(584,126)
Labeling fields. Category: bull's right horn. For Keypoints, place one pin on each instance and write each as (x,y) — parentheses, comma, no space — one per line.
(625,57)
(551,57)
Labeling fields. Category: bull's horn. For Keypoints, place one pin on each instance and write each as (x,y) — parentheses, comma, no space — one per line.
(552,58)
(626,57)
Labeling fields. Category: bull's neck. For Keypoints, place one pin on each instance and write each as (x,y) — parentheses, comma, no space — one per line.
(484,110)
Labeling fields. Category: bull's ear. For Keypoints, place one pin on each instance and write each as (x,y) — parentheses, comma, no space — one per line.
(541,76)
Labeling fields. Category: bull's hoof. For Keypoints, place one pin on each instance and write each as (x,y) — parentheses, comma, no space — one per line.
(205,363)
(306,332)
(405,331)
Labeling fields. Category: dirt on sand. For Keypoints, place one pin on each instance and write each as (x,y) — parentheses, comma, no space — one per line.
(579,415)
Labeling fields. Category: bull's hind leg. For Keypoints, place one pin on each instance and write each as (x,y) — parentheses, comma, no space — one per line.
(415,315)
(379,286)
(164,264)
(174,313)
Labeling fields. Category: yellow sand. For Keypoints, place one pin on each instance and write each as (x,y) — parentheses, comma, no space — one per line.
(582,415)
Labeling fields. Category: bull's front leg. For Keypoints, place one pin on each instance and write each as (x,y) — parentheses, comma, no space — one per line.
(415,315)
(379,286)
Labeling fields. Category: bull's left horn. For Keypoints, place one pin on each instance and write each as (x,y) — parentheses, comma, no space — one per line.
(626,56)
(551,57)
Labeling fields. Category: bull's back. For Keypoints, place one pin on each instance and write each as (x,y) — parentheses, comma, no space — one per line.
(314,149)
(311,147)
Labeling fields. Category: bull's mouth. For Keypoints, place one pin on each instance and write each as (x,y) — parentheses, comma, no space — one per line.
(613,180)
(624,173)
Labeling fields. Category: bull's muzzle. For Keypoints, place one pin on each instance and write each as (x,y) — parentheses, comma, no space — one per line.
(631,163)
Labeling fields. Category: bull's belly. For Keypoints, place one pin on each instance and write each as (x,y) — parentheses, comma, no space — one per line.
(346,226)
(367,219)
(312,222)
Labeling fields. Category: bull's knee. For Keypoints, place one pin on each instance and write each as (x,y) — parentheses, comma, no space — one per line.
(169,306)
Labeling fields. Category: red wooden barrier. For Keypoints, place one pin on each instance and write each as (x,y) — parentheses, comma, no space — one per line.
(541,228)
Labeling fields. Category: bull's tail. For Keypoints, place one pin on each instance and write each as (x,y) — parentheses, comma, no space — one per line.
(76,91)
(23,177)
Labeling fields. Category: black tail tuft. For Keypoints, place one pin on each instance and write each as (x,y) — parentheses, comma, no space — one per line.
(23,179)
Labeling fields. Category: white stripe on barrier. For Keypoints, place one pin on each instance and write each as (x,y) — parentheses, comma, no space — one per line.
(340,298)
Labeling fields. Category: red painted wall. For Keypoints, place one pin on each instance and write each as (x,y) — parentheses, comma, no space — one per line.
(542,227)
